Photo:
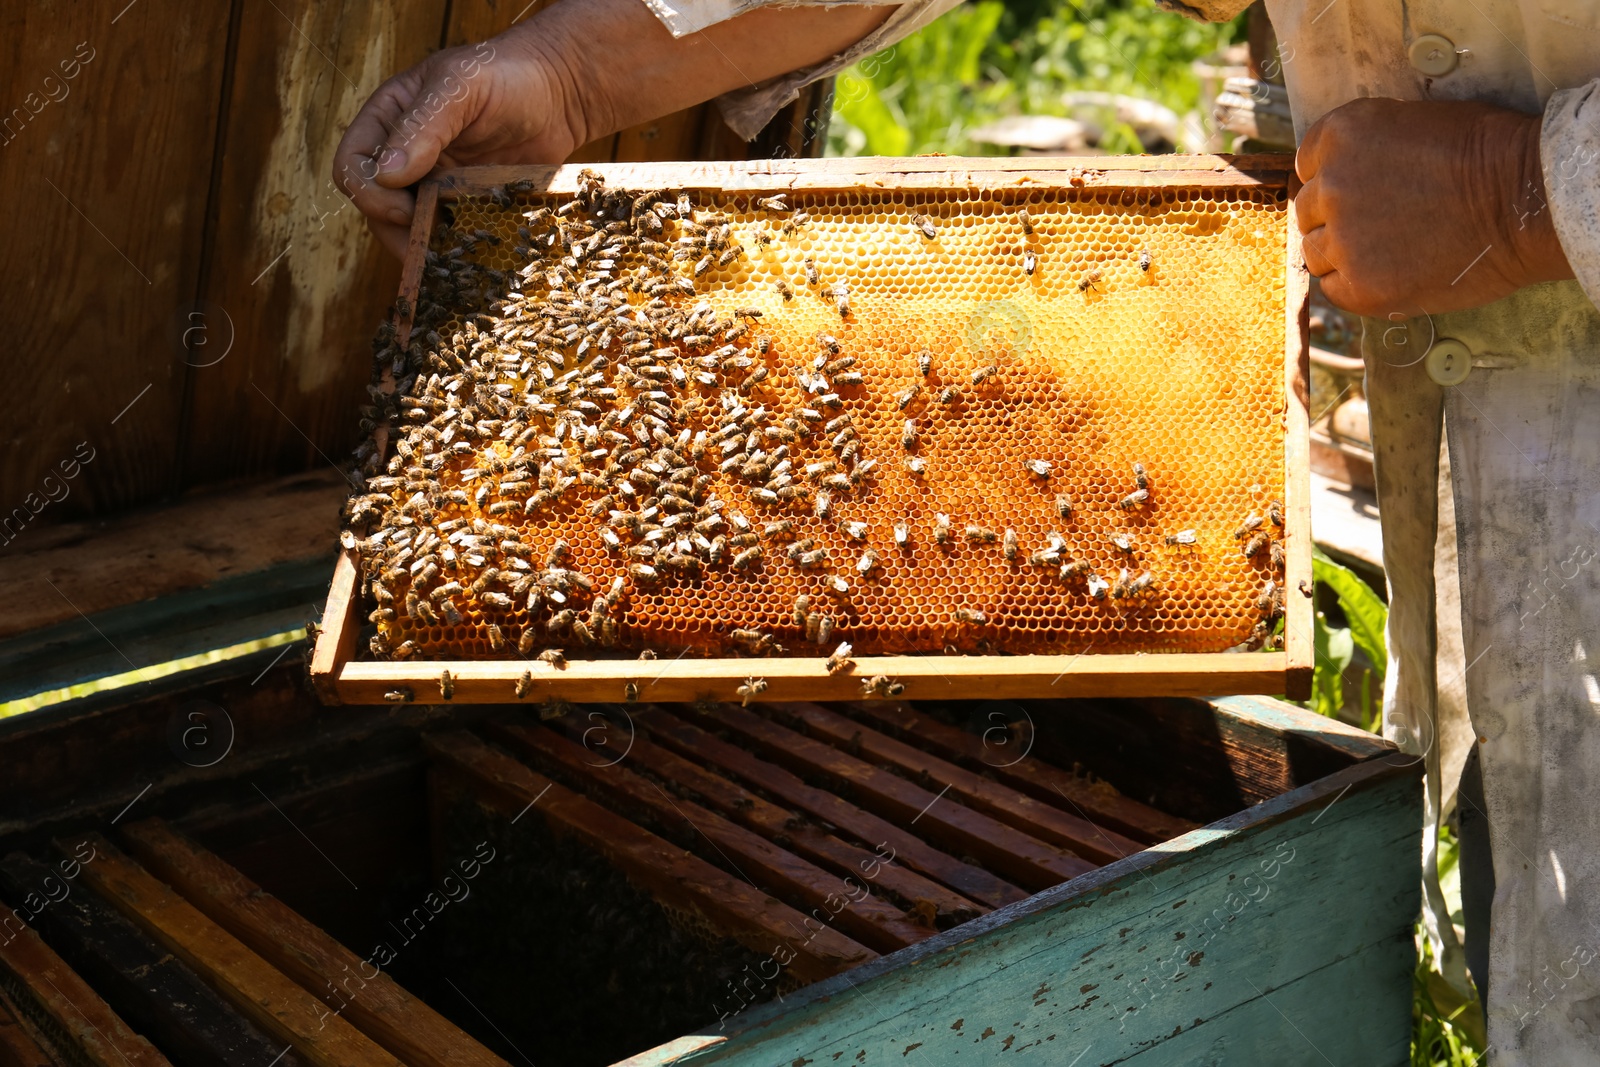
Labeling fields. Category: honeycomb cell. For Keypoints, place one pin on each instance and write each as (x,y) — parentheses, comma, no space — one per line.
(606,409)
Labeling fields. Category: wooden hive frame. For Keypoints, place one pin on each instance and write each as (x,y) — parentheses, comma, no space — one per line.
(340,678)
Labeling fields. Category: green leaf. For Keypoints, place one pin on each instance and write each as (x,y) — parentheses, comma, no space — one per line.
(1333,649)
(1366,613)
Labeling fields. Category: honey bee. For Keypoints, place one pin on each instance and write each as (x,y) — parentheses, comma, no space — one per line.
(643,572)
(402,695)
(1089,281)
(747,558)
(824,629)
(906,396)
(881,685)
(1123,542)
(1182,537)
(749,689)
(555,657)
(630,691)
(840,660)
(1134,499)
(980,535)
(850,377)
(752,641)
(971,615)
(941,527)
(1074,567)
(813,276)
(1140,478)
(1030,262)
(1009,545)
(902,533)
(1026,220)
(1276,556)
(867,562)
(772,203)
(812,558)
(1039,468)
(731,253)
(802,610)
(1063,506)
(785,290)
(841,298)
(447,685)
(917,465)
(983,374)
(1098,587)
(837,585)
(1254,546)
(702,265)
(1247,527)
(925,362)
(524,685)
(1145,261)
(822,504)
(856,530)
(908,436)
(1275,512)
(925,224)
(949,395)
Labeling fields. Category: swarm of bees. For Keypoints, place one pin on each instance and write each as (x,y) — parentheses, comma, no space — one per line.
(595,378)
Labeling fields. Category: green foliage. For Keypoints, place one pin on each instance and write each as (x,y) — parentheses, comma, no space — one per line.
(1447,1030)
(1363,607)
(987,60)
(1335,647)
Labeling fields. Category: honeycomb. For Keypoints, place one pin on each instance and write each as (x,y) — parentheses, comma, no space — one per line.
(917,421)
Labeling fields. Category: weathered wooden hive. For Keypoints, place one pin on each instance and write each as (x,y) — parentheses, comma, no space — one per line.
(1105,880)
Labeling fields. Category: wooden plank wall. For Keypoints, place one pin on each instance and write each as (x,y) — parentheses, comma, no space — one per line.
(168,167)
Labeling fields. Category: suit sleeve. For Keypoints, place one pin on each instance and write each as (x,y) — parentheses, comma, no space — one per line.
(1569,147)
(747,110)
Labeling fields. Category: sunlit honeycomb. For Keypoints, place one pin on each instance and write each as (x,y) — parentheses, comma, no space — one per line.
(1127,328)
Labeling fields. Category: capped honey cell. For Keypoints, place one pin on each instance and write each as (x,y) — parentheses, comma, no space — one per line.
(938,419)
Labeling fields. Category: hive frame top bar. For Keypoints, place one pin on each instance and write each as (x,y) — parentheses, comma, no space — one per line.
(898,172)
(340,678)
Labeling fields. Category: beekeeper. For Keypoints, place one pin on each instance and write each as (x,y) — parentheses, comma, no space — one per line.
(1451,159)
(1450,153)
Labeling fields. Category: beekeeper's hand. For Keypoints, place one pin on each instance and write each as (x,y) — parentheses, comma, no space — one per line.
(1420,207)
(575,71)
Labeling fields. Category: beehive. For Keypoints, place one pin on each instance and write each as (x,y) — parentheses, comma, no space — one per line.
(1023,417)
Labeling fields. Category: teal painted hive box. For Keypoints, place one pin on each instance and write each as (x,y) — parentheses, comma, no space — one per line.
(1054,882)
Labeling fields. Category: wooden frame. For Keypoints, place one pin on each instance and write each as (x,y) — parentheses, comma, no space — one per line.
(340,678)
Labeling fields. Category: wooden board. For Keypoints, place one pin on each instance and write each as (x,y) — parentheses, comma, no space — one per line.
(724,795)
(1038,818)
(1036,778)
(1017,855)
(271,1000)
(20,1046)
(204,538)
(103,252)
(58,1002)
(375,1004)
(341,678)
(141,981)
(691,742)
(875,923)
(301,280)
(674,878)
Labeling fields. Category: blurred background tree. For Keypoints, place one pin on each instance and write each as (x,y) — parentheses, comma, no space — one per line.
(1095,61)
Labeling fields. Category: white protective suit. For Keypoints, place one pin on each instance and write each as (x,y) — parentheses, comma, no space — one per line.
(1524,446)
